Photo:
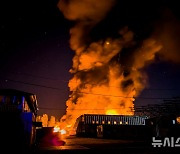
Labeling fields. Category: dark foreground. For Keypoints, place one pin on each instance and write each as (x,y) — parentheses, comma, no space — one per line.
(54,143)
(74,144)
(80,145)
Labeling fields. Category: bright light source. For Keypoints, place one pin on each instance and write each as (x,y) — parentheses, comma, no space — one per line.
(111,112)
(56,129)
(107,43)
(68,126)
(63,132)
(174,122)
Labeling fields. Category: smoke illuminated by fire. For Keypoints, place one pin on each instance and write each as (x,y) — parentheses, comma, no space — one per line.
(101,83)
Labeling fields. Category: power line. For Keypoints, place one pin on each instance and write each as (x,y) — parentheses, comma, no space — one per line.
(32,84)
(54,88)
(35,76)
(122,96)
(79,109)
(66,81)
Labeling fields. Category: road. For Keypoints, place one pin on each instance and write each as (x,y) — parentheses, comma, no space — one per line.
(73,144)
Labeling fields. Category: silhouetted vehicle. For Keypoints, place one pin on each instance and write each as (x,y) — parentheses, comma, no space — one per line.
(18,111)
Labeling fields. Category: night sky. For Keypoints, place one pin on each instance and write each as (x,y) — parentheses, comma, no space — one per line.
(36,56)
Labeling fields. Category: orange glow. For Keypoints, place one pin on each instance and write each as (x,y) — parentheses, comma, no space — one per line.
(105,90)
(63,132)
(107,43)
(178,120)
(101,82)
(56,129)
(68,126)
(111,112)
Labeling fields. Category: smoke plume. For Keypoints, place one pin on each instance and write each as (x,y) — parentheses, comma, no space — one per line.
(168,33)
(108,73)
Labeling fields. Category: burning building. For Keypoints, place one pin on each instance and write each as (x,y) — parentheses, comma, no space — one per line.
(111,126)
(109,71)
(107,76)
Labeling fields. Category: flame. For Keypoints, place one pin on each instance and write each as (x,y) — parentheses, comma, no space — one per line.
(56,129)
(111,112)
(105,89)
(68,126)
(63,131)
(105,81)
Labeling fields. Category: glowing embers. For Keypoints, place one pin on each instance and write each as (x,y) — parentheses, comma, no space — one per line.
(57,129)
(63,131)
(107,43)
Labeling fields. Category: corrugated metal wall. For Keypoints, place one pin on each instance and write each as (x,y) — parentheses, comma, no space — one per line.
(113,119)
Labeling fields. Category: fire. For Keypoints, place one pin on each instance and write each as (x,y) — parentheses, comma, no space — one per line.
(57,129)
(68,126)
(105,81)
(63,132)
(111,112)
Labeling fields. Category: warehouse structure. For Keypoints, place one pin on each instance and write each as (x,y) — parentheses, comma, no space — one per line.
(111,126)
(158,120)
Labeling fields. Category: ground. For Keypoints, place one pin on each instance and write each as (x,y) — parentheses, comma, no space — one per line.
(75,144)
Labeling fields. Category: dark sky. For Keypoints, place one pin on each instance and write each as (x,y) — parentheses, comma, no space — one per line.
(36,56)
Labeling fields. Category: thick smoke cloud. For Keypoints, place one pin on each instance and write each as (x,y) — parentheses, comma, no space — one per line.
(86,13)
(168,33)
(109,71)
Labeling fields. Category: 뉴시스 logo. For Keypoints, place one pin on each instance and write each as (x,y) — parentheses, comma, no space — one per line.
(166,142)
